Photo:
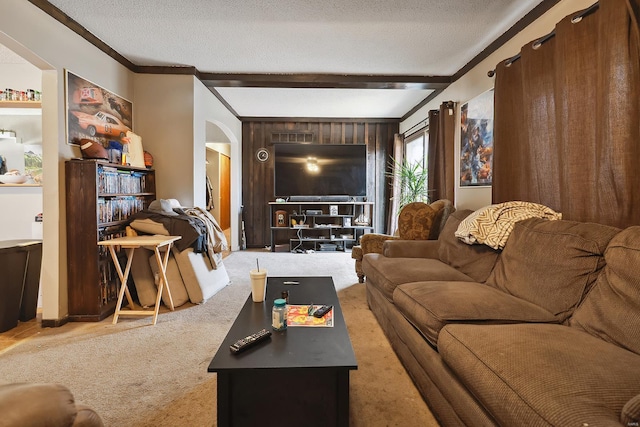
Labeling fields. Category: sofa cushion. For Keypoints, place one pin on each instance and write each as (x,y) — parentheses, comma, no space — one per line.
(201,280)
(431,305)
(179,294)
(149,226)
(611,310)
(476,261)
(542,374)
(387,273)
(143,277)
(552,263)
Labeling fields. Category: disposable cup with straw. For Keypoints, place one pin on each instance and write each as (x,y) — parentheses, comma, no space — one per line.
(258,282)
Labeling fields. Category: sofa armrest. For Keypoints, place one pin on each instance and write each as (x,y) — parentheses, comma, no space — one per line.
(87,417)
(630,415)
(372,242)
(411,249)
(36,404)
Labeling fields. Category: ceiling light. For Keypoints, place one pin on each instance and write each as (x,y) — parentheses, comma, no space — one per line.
(312,165)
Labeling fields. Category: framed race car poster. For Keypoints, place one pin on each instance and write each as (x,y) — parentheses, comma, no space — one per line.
(95,113)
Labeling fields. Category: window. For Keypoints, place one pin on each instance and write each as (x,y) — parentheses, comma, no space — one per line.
(416,148)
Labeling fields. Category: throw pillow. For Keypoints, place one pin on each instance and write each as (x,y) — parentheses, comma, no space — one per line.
(415,221)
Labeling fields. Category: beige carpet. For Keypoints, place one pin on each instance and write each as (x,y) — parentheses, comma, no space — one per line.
(138,375)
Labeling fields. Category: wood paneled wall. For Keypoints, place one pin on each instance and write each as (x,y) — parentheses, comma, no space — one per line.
(257,177)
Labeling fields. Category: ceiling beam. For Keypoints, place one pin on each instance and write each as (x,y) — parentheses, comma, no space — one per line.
(331,81)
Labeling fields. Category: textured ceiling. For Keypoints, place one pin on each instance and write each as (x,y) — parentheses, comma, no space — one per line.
(348,37)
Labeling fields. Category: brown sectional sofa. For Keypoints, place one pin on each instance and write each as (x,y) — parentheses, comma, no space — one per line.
(545,332)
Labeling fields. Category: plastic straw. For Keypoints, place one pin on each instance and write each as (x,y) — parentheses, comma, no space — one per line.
(258,264)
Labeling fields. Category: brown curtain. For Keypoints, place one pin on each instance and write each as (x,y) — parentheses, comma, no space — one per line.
(567,119)
(392,207)
(441,159)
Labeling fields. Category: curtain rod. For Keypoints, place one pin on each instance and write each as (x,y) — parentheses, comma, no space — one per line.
(447,104)
(424,123)
(539,42)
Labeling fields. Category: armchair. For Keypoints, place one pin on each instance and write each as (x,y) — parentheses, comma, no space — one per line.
(416,221)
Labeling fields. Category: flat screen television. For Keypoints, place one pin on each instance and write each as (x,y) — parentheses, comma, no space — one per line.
(320,170)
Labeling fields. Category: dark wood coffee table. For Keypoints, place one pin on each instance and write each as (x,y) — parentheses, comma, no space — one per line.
(299,377)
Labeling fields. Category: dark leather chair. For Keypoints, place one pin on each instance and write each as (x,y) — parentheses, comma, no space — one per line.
(20,264)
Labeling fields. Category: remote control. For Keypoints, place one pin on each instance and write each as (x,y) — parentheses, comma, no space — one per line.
(249,341)
(322,310)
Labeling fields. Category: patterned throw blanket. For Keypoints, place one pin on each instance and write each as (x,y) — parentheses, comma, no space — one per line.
(493,224)
(216,242)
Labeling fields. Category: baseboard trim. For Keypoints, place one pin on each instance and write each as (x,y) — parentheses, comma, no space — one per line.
(55,323)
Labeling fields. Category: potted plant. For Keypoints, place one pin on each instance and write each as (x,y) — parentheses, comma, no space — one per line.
(412,179)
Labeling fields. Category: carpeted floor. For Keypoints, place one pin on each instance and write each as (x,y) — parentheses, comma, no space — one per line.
(138,375)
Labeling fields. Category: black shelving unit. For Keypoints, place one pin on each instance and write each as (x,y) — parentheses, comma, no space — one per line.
(319,226)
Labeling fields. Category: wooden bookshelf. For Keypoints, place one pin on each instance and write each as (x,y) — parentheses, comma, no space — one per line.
(100,197)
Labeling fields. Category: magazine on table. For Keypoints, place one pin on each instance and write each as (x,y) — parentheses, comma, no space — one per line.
(298,315)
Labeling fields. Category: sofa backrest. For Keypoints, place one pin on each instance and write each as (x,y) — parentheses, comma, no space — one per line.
(552,264)
(476,261)
(611,310)
(444,208)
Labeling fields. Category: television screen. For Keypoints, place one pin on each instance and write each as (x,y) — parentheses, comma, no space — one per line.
(320,170)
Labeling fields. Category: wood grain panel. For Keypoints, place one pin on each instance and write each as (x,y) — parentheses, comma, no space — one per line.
(257,178)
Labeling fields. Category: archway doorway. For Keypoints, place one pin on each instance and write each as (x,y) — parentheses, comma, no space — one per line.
(218,167)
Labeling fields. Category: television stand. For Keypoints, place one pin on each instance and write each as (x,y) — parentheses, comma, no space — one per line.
(319,226)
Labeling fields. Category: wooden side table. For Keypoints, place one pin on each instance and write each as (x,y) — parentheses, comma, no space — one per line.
(155,243)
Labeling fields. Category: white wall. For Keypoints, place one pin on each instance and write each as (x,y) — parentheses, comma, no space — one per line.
(28,127)
(20,76)
(207,108)
(476,82)
(172,112)
(19,206)
(163,116)
(220,147)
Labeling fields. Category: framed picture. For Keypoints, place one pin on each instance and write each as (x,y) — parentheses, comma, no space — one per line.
(95,113)
(476,141)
